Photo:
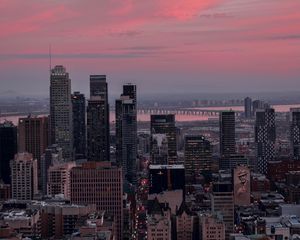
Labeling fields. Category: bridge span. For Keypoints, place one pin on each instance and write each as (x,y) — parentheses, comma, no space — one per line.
(183,111)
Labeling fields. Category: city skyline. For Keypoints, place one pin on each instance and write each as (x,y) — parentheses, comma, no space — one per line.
(216,45)
(129,127)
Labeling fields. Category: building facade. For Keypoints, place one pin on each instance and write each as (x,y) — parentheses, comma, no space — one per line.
(248,107)
(265,137)
(61,120)
(34,138)
(99,183)
(79,124)
(295,133)
(223,204)
(126,132)
(24,179)
(98,135)
(8,149)
(59,179)
(227,133)
(165,124)
(197,157)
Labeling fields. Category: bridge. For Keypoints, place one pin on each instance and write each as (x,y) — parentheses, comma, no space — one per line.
(184,111)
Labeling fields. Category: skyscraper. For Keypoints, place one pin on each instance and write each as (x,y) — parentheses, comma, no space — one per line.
(166,178)
(165,124)
(259,105)
(227,133)
(34,138)
(295,133)
(24,179)
(79,124)
(265,137)
(58,181)
(126,132)
(223,203)
(98,86)
(98,147)
(52,155)
(8,149)
(248,107)
(99,183)
(61,111)
(198,157)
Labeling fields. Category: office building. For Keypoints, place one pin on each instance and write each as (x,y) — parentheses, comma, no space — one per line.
(159,224)
(24,179)
(223,204)
(259,105)
(98,135)
(126,132)
(79,125)
(265,137)
(59,220)
(52,155)
(227,133)
(295,133)
(232,161)
(61,120)
(186,220)
(8,149)
(248,107)
(99,183)
(159,151)
(166,178)
(34,138)
(212,227)
(59,179)
(197,157)
(165,124)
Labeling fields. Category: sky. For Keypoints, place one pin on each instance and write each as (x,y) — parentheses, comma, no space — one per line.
(162,46)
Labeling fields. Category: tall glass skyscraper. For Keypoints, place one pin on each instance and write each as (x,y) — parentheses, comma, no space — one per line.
(165,124)
(126,132)
(227,133)
(98,144)
(79,124)
(61,121)
(8,149)
(265,137)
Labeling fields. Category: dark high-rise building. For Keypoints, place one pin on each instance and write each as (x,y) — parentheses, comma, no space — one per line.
(33,135)
(52,155)
(259,105)
(61,111)
(34,138)
(130,90)
(295,133)
(165,124)
(227,133)
(232,161)
(101,184)
(198,157)
(166,178)
(98,144)
(248,107)
(8,149)
(265,137)
(79,125)
(223,204)
(126,132)
(98,86)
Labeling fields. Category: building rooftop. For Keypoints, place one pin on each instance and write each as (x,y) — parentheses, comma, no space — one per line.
(179,166)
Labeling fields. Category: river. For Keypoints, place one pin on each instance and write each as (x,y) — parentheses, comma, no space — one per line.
(179,117)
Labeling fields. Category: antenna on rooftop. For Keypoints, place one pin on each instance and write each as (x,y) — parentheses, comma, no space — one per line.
(50,58)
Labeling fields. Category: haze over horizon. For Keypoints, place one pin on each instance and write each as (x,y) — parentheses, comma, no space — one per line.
(162,46)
